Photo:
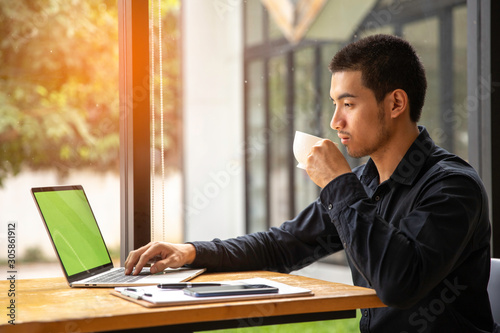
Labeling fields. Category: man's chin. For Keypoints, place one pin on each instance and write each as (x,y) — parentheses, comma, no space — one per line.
(354,154)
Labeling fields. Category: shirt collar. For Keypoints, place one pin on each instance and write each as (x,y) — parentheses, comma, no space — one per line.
(411,164)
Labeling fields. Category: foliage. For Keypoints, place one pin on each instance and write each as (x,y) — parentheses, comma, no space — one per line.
(58,85)
(338,326)
(34,254)
(59,102)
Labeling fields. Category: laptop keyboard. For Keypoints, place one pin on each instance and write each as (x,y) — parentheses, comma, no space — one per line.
(116,276)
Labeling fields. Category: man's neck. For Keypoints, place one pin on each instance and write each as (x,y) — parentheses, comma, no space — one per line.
(388,157)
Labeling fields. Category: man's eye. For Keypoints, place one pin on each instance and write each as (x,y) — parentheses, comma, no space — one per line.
(347,105)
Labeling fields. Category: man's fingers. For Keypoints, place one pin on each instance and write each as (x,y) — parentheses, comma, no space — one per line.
(325,162)
(130,262)
(156,252)
(161,255)
(172,261)
(133,258)
(158,266)
(143,260)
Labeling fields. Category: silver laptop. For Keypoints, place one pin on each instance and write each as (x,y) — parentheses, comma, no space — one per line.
(80,247)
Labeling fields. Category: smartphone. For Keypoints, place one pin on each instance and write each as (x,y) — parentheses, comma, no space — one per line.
(230,290)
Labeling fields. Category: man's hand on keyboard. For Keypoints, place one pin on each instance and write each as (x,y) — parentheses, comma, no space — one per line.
(165,255)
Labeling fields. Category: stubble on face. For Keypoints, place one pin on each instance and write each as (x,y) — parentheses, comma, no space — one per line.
(381,137)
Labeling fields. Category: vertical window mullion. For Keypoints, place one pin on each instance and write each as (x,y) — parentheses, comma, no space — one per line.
(267,108)
(290,115)
(446,76)
(268,150)
(133,16)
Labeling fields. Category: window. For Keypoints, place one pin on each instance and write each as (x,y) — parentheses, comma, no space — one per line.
(58,117)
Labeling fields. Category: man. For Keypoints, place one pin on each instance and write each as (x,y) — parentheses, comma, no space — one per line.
(413,220)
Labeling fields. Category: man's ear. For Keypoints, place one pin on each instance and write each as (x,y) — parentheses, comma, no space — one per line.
(399,102)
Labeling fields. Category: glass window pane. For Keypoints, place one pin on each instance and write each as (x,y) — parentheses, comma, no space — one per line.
(279,183)
(338,19)
(424,36)
(256,148)
(59,121)
(166,125)
(305,120)
(254,12)
(460,120)
(274,30)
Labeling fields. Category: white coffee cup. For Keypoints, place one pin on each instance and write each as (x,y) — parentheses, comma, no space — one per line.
(302,144)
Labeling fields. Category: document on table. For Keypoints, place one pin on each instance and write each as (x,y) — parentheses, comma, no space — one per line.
(152,296)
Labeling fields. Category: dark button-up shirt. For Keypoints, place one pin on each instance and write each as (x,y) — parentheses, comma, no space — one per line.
(420,239)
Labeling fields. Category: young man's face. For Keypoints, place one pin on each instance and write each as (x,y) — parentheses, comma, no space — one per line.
(360,122)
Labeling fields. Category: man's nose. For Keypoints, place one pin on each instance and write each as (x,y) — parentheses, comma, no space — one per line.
(337,122)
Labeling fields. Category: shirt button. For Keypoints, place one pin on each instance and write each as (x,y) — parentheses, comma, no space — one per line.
(377,198)
(365,313)
(330,206)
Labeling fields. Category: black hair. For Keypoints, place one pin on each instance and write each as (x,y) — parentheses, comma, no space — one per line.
(386,63)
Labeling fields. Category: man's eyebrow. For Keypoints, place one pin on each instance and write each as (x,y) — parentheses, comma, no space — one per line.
(344,95)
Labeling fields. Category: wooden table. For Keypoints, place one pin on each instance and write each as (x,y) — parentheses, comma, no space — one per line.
(49,305)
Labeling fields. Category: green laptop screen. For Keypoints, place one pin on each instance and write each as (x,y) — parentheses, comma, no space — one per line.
(73,229)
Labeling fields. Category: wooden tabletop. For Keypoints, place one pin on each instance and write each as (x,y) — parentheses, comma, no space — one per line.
(50,305)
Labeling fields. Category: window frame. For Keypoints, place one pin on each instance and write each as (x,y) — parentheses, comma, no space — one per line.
(135,142)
